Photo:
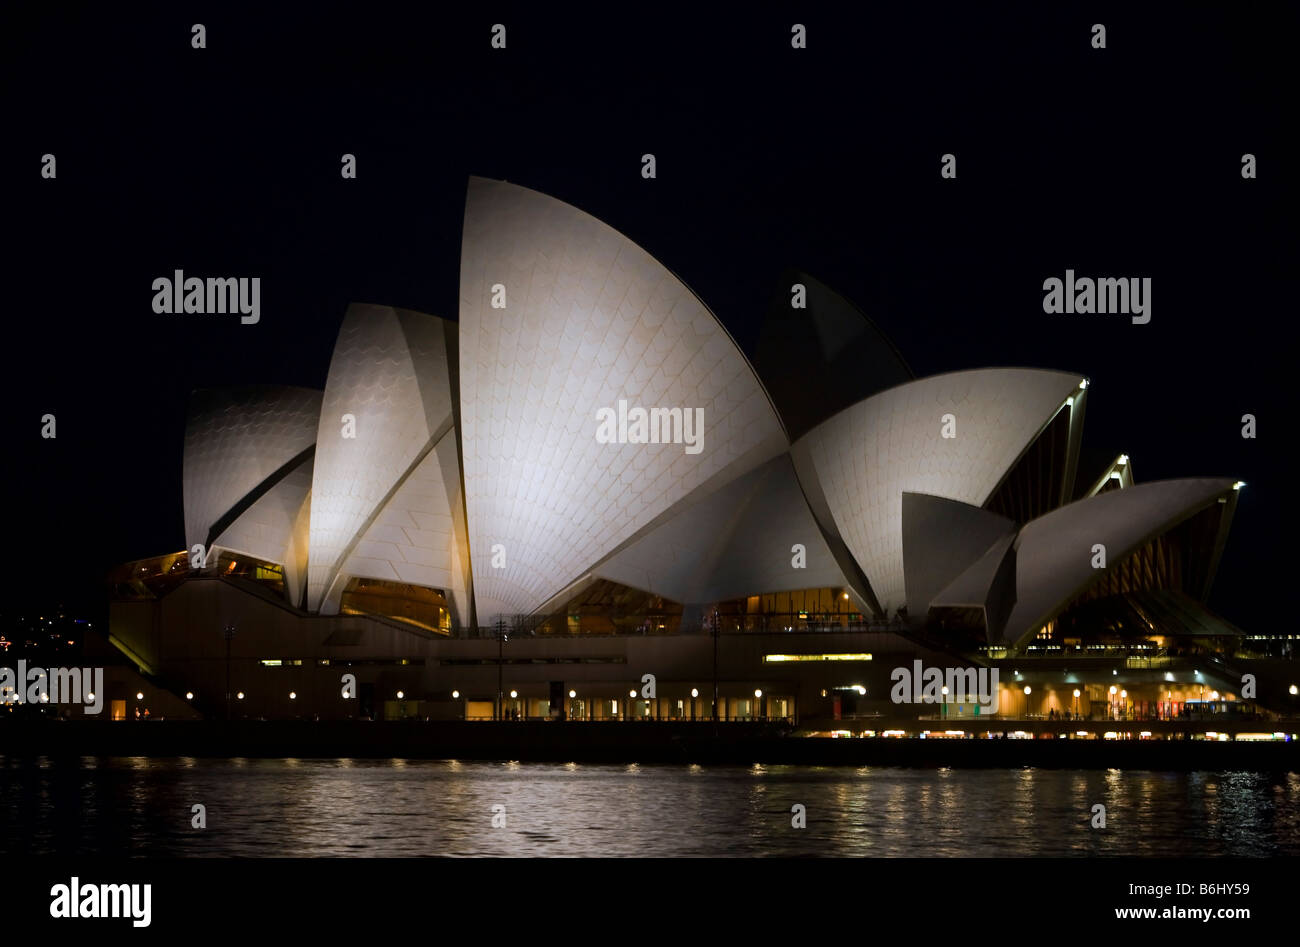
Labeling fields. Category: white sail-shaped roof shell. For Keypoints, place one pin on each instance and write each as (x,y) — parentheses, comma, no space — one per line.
(865,457)
(589,319)
(737,541)
(390,374)
(247,474)
(1055,553)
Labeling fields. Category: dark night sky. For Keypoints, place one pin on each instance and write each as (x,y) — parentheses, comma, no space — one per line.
(225,161)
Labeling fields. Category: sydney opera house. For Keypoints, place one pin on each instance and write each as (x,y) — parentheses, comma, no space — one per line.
(582,485)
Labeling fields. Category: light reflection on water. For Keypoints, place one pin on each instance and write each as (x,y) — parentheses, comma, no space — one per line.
(297,807)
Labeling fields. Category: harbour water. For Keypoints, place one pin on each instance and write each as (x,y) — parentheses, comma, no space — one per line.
(143,807)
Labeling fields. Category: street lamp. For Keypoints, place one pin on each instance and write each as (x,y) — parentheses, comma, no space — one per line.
(229,635)
(1028,690)
(943,708)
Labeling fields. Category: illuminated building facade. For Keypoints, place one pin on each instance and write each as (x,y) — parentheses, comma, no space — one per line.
(445,523)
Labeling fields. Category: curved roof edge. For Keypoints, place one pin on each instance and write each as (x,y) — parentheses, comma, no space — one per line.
(1055,552)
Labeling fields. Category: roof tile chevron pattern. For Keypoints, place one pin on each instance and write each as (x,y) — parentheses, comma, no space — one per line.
(590,319)
(866,456)
(389,372)
(477,441)
(235,439)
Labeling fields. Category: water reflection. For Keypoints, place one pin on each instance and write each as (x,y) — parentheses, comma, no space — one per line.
(303,807)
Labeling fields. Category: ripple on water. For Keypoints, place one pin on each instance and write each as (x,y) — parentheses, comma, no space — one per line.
(285,808)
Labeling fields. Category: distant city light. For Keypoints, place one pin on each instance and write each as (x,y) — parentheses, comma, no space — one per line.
(455,695)
(400,695)
(696,693)
(293,695)
(758,692)
(514,694)
(139,695)
(240,695)
(189,695)
(572,694)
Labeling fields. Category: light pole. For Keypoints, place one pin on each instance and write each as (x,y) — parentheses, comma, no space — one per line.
(229,634)
(501,644)
(1028,690)
(715,668)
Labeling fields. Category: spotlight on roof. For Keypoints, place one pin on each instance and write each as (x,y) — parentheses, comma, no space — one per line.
(1083,384)
(1239,484)
(1123,459)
